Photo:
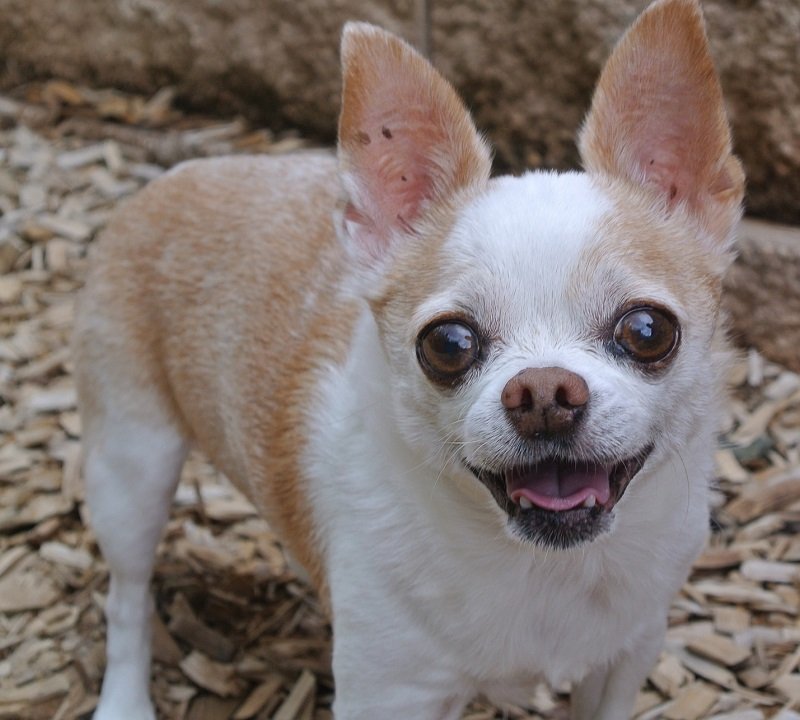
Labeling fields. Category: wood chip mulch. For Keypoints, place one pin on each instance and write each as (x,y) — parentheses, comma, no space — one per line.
(237,636)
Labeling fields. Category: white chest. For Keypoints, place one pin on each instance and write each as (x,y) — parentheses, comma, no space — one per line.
(421,557)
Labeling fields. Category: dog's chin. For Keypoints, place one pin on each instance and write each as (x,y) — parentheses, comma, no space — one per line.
(560,504)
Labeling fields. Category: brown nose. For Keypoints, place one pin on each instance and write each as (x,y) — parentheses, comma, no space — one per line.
(544,401)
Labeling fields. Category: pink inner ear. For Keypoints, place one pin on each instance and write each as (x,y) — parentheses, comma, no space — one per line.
(405,138)
(670,127)
(662,164)
(395,160)
(398,161)
(657,117)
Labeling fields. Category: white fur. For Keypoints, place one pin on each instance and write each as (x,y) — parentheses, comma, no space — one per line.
(132,468)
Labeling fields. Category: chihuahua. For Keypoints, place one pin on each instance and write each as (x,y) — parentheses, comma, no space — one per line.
(480,412)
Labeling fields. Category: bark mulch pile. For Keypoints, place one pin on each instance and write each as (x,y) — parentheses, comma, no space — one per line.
(237,636)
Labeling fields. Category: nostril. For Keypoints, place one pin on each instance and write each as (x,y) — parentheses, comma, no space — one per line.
(571,392)
(563,398)
(517,395)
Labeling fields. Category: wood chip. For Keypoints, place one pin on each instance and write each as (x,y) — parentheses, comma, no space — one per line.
(669,675)
(11,557)
(82,156)
(784,386)
(755,677)
(62,554)
(56,400)
(756,424)
(165,649)
(39,508)
(728,592)
(768,571)
(645,701)
(300,697)
(10,289)
(258,698)
(64,227)
(27,590)
(692,703)
(789,687)
(720,649)
(219,678)
(755,368)
(36,692)
(728,467)
(758,501)
(708,670)
(718,559)
(208,707)
(186,626)
(762,527)
(730,620)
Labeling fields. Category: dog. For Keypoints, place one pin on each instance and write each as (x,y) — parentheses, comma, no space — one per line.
(480,412)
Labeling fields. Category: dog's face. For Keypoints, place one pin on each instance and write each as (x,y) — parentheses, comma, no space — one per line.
(552,342)
(552,336)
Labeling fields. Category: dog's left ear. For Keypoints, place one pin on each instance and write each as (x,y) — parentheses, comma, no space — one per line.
(406,141)
(658,119)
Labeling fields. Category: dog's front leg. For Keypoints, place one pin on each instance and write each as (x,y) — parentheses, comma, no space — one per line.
(393,674)
(395,702)
(609,693)
(373,696)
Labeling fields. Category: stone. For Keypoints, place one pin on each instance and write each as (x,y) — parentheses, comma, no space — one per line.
(763,291)
(526,69)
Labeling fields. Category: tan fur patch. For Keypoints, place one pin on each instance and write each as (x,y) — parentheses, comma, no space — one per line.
(197,298)
(639,238)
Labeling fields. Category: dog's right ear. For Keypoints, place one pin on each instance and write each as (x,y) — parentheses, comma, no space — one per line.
(658,118)
(406,141)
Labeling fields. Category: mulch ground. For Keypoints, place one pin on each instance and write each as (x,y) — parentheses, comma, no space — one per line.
(237,636)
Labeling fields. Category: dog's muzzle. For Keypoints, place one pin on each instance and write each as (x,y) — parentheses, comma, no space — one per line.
(560,500)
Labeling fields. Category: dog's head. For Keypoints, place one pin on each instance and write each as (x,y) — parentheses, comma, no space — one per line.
(548,335)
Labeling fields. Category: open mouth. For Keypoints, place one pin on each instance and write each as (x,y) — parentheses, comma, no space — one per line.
(561,503)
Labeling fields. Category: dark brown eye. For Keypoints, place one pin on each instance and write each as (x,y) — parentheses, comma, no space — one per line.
(646,334)
(447,350)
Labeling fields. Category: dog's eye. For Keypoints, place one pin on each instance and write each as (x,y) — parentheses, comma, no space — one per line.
(646,334)
(446,350)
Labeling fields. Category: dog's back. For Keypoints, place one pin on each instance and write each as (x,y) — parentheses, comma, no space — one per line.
(203,312)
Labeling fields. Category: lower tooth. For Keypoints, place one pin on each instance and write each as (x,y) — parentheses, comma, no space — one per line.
(525,504)
(590,501)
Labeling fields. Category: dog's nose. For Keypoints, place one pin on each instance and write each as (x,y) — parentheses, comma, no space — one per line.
(544,401)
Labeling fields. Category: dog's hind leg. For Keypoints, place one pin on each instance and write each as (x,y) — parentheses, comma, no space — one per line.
(133,461)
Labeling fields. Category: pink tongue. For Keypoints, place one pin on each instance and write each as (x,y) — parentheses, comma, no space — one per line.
(559,486)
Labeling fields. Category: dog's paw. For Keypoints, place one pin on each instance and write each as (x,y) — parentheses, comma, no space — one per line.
(115,711)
